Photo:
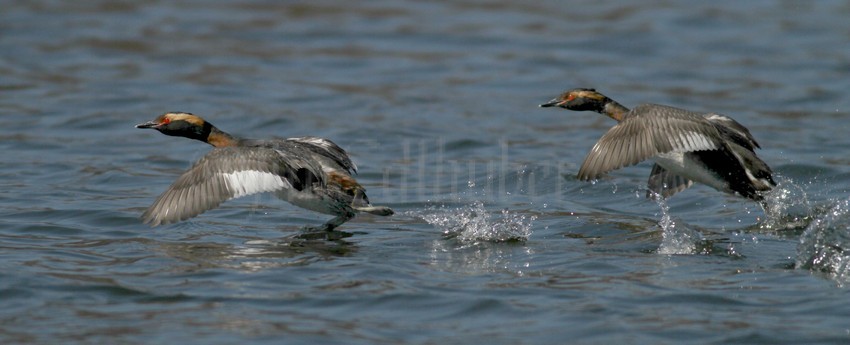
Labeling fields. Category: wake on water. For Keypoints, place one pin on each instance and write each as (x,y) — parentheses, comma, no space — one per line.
(824,246)
(786,208)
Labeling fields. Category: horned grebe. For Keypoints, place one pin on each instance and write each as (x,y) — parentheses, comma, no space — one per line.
(309,172)
(709,148)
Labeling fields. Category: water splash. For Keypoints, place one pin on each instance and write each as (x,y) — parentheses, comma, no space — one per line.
(675,240)
(787,207)
(825,245)
(472,224)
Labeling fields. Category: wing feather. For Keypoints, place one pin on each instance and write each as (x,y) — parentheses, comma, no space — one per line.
(327,149)
(227,173)
(647,131)
(737,131)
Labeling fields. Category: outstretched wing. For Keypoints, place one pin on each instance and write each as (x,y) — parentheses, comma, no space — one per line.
(733,130)
(647,131)
(327,149)
(227,173)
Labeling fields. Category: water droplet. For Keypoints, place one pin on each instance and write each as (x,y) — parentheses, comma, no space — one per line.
(472,224)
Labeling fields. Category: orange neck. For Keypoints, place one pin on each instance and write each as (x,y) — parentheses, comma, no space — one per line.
(218,138)
(614,110)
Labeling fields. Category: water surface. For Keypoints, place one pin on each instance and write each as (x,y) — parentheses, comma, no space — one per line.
(494,239)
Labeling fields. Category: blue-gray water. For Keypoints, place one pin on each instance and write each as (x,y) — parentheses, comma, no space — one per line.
(494,240)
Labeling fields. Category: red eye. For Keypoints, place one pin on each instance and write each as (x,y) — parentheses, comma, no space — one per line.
(570,97)
(165,121)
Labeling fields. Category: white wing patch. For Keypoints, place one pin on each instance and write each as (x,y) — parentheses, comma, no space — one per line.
(716,117)
(692,141)
(315,141)
(247,182)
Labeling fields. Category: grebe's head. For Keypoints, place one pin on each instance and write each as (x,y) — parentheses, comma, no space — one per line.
(180,124)
(579,99)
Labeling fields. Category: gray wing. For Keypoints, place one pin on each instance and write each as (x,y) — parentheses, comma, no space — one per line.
(327,149)
(647,131)
(665,183)
(228,173)
(734,130)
